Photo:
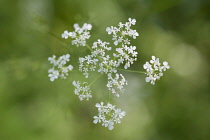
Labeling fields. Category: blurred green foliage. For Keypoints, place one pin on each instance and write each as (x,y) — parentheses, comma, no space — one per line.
(33,108)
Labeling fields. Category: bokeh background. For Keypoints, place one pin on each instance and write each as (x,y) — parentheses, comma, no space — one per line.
(176,108)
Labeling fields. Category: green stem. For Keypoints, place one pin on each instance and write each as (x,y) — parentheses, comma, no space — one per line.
(109,96)
(100,74)
(89,47)
(95,79)
(132,71)
(61,41)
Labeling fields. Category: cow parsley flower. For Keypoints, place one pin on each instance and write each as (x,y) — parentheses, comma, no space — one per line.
(65,34)
(99,47)
(105,59)
(154,69)
(53,74)
(116,84)
(87,63)
(82,90)
(165,66)
(132,21)
(101,61)
(59,68)
(80,35)
(98,60)
(119,34)
(108,115)
(126,55)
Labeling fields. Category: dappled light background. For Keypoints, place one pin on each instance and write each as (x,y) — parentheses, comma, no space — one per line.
(176,108)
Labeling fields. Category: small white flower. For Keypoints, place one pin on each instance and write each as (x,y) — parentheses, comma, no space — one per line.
(76,26)
(97,119)
(110,125)
(165,66)
(65,34)
(70,67)
(150,78)
(133,33)
(87,26)
(132,21)
(121,25)
(110,30)
(53,74)
(147,66)
(52,59)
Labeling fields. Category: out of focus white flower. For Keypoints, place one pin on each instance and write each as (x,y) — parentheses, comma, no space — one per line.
(59,69)
(80,34)
(165,66)
(82,90)
(53,74)
(132,21)
(65,34)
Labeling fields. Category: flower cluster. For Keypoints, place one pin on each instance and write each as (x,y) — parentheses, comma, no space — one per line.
(115,84)
(59,69)
(82,90)
(80,34)
(154,70)
(101,61)
(126,54)
(91,62)
(105,59)
(108,115)
(120,34)
(88,63)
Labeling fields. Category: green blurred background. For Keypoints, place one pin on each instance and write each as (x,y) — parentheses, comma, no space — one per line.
(33,108)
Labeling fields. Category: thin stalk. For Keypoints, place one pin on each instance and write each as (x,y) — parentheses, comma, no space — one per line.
(89,47)
(132,71)
(95,79)
(109,96)
(61,41)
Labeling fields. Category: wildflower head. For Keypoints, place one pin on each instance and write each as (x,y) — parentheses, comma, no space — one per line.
(82,90)
(108,115)
(59,69)
(154,69)
(79,35)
